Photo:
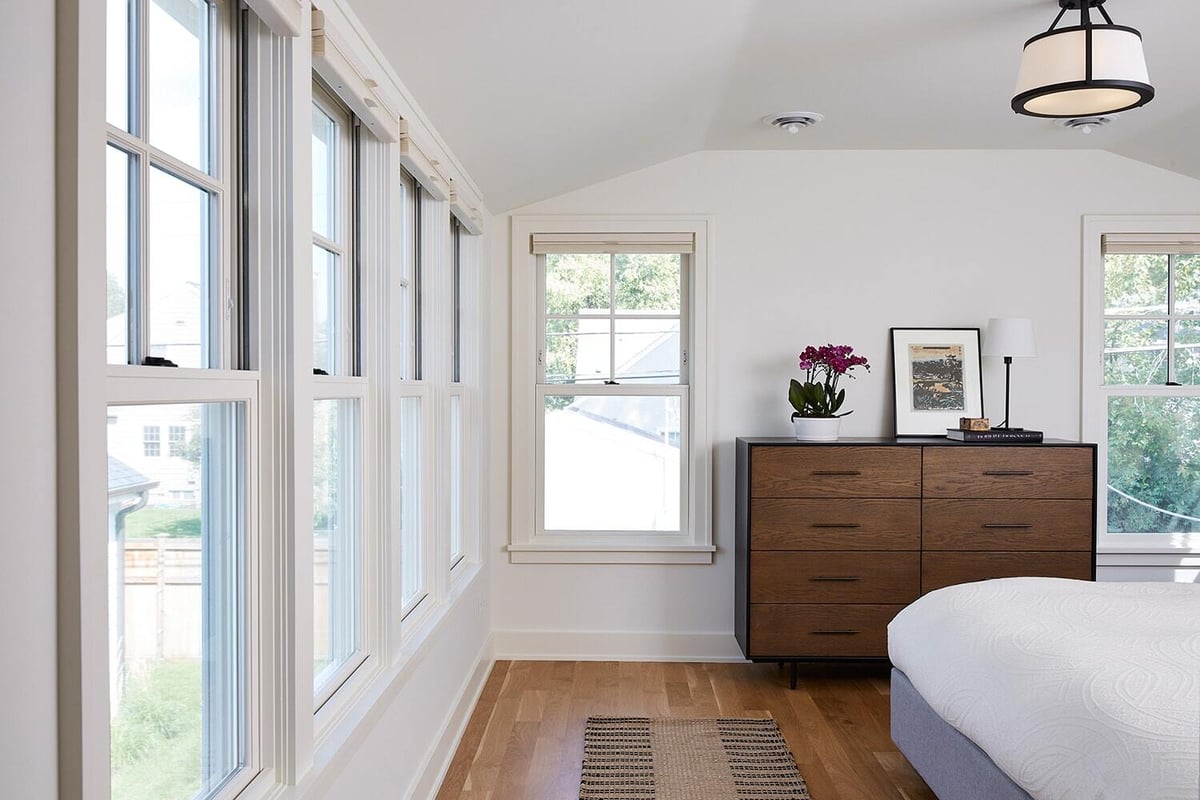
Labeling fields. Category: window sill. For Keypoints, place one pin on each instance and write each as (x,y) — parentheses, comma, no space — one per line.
(610,554)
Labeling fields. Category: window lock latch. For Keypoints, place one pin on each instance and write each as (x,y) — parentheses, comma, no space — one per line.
(611,383)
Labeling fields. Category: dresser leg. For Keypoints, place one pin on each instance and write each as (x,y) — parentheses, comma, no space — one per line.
(795,670)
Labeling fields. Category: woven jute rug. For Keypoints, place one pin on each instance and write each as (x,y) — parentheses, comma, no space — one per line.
(634,758)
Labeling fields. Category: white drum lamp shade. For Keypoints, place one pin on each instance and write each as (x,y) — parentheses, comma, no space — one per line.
(1084,70)
(1010,336)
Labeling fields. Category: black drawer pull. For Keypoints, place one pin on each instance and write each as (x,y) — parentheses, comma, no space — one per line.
(836,472)
(836,578)
(836,525)
(1008,473)
(1007,525)
(836,632)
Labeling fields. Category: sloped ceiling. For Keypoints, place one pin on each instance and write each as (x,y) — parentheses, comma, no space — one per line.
(538,97)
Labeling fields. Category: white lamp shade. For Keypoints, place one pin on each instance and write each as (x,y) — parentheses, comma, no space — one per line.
(1054,80)
(1010,336)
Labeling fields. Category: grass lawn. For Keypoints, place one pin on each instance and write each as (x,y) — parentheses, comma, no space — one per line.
(156,737)
(151,521)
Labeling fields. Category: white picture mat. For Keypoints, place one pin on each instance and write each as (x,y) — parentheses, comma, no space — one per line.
(911,422)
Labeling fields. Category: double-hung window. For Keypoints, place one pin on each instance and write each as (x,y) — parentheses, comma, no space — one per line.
(182,686)
(1142,381)
(338,398)
(613,392)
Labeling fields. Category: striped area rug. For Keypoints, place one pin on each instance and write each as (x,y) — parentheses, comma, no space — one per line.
(637,758)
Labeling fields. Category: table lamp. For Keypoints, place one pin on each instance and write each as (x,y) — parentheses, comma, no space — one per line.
(1009,338)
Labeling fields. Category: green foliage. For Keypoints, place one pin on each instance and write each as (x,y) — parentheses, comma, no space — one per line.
(1154,456)
(817,399)
(156,737)
(155,521)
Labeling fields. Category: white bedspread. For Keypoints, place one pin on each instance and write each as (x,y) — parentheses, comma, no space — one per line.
(1074,689)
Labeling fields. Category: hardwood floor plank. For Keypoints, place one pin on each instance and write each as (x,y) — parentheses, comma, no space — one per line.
(524,740)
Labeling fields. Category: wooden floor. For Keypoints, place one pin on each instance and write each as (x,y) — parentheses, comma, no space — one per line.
(525,738)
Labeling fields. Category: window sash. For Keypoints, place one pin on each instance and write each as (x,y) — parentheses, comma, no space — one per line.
(616,537)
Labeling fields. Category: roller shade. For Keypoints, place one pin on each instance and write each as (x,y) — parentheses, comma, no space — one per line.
(281,16)
(543,243)
(421,166)
(331,61)
(1181,244)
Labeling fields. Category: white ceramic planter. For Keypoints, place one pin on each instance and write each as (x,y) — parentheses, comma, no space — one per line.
(816,429)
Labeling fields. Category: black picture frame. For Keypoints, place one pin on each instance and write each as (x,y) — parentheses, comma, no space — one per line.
(937,376)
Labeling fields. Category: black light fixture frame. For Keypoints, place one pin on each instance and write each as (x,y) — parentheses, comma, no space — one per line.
(1144,91)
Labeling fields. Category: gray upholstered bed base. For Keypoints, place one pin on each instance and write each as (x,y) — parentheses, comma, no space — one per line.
(953,766)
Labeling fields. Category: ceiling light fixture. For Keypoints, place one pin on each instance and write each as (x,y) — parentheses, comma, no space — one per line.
(1084,124)
(793,121)
(1085,70)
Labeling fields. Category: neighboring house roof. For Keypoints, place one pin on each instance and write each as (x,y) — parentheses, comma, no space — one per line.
(125,480)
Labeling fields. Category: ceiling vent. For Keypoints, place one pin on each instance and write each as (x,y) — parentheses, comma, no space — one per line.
(793,121)
(1085,124)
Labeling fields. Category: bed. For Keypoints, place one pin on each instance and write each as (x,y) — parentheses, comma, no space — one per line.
(1050,689)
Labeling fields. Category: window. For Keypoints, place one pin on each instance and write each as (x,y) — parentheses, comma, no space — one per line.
(1142,385)
(150,441)
(176,441)
(181,685)
(339,398)
(169,162)
(613,393)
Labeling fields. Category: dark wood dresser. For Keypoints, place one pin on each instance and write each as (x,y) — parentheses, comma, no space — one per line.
(833,539)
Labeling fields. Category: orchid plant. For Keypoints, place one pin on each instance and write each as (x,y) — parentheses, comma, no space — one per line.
(824,366)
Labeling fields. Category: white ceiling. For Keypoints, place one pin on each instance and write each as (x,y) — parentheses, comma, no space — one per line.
(538,97)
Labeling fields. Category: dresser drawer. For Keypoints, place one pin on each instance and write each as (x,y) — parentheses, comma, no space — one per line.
(1008,472)
(819,471)
(1007,525)
(947,569)
(852,631)
(836,524)
(834,577)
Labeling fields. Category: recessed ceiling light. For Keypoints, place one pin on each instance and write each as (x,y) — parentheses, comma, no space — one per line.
(1085,124)
(793,121)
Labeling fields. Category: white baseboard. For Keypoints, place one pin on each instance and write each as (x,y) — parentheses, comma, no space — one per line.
(615,646)
(437,762)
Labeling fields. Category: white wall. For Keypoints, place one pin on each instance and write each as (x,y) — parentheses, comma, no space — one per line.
(28,746)
(830,246)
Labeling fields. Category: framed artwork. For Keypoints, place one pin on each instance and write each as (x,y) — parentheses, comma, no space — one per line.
(938,379)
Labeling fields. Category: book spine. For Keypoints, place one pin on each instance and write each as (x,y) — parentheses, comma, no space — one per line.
(989,436)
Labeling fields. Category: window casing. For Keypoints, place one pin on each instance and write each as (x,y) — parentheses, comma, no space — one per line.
(614,463)
(1141,380)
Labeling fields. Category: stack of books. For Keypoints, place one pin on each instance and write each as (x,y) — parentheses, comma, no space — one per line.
(995,435)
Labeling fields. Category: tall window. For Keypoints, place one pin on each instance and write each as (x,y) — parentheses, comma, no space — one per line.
(410,394)
(338,401)
(615,459)
(178,528)
(456,395)
(1145,405)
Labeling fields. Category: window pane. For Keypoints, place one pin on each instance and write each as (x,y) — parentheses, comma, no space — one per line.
(647,350)
(648,282)
(179,79)
(178,270)
(177,663)
(1135,352)
(336,537)
(578,350)
(117,239)
(324,167)
(117,68)
(456,301)
(412,585)
(1187,351)
(1187,284)
(611,463)
(326,316)
(456,498)
(1135,283)
(1153,465)
(577,283)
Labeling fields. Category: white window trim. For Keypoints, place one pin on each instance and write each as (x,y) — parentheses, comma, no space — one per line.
(1094,394)
(694,544)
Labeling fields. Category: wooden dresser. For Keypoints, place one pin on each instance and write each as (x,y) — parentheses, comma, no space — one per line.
(833,539)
